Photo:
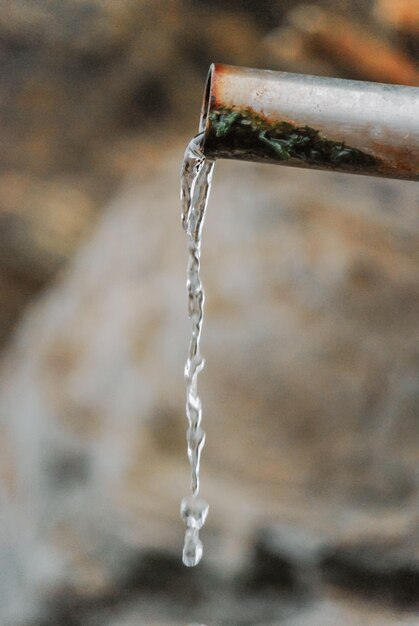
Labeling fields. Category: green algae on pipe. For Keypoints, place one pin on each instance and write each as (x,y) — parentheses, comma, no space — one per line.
(314,122)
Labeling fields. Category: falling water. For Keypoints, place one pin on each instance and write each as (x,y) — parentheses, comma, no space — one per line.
(195,189)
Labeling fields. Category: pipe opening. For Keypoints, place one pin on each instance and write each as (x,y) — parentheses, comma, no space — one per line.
(206,102)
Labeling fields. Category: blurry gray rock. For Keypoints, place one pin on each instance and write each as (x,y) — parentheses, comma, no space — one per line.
(285,559)
(310,392)
(375,569)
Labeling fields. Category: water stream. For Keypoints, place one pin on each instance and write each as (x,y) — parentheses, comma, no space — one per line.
(195,188)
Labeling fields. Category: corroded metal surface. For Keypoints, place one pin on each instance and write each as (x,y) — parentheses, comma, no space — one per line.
(309,121)
(245,135)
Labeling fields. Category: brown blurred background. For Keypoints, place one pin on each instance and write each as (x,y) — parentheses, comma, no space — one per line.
(311,389)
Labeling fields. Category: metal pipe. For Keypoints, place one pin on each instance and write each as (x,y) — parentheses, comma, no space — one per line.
(311,121)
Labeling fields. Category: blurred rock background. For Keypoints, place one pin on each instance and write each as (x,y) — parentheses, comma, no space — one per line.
(311,389)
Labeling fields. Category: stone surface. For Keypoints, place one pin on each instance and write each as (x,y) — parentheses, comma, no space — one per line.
(286,559)
(309,393)
(388,571)
(311,385)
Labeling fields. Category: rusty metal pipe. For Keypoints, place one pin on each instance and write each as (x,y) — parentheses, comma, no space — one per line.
(311,121)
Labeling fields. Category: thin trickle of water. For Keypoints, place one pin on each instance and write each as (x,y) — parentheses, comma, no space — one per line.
(195,188)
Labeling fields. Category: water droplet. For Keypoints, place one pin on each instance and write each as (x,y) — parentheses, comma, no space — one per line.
(196,439)
(192,549)
(194,366)
(194,511)
(193,410)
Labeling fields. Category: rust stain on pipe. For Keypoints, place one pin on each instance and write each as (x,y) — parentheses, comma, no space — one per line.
(314,122)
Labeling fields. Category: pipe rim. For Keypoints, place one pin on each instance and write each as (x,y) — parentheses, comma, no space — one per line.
(206,102)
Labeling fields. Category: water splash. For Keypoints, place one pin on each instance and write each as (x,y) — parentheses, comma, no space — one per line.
(195,188)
